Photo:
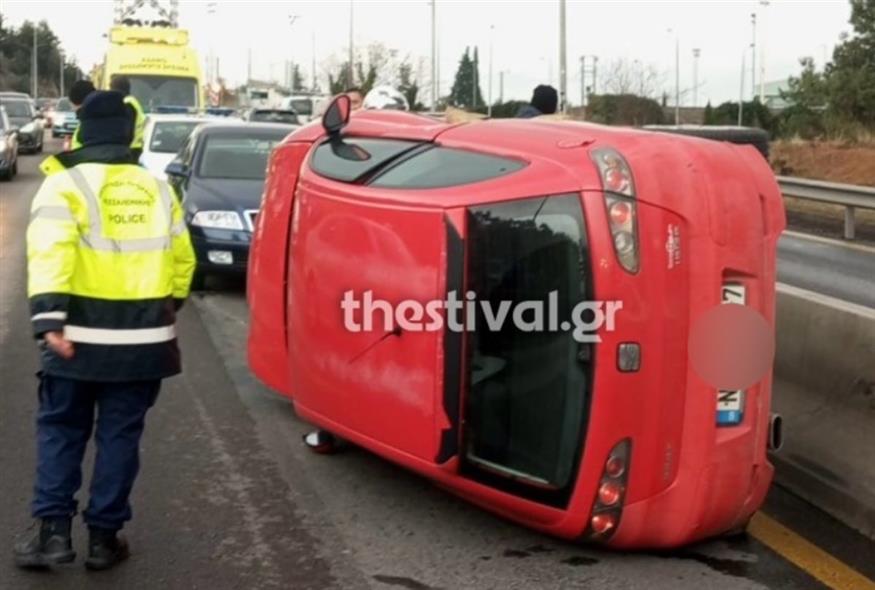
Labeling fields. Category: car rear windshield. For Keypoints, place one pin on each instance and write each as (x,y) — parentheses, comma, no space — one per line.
(169,136)
(17,108)
(237,157)
(302,106)
(439,167)
(356,158)
(274,116)
(528,389)
(63,105)
(392,163)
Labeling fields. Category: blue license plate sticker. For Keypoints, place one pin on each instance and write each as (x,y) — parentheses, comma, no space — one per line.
(730,407)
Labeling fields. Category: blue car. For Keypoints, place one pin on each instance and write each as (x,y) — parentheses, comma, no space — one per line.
(218,175)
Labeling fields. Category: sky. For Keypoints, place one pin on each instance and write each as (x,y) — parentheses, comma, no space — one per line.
(523,35)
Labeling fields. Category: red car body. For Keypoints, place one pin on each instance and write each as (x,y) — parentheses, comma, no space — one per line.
(707,214)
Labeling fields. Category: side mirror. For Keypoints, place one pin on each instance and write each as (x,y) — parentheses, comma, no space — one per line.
(336,115)
(177,169)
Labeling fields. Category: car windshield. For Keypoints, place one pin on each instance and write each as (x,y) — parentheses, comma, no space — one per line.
(169,136)
(274,116)
(63,105)
(238,156)
(17,108)
(155,91)
(302,106)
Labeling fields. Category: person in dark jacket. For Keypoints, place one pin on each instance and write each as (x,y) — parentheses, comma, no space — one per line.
(79,91)
(109,260)
(545,100)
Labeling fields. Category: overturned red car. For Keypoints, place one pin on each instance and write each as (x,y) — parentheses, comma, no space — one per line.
(587,429)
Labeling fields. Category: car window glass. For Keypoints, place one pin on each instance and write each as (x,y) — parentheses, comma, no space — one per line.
(64,105)
(528,389)
(169,136)
(17,108)
(237,157)
(442,167)
(328,161)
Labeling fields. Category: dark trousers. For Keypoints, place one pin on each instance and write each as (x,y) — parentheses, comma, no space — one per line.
(65,421)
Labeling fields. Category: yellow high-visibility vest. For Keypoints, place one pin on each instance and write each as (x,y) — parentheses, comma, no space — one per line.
(108,252)
(139,121)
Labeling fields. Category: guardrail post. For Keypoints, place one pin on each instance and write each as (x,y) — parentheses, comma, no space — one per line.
(849,223)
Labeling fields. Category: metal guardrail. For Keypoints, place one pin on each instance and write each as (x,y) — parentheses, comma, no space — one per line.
(850,196)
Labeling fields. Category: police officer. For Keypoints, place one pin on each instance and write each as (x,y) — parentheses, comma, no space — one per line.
(109,263)
(79,91)
(122,84)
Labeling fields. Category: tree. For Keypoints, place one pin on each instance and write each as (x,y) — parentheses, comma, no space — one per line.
(624,77)
(297,79)
(407,85)
(624,109)
(16,47)
(841,98)
(466,88)
(708,118)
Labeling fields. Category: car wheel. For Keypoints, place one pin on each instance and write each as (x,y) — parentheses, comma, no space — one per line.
(14,168)
(39,148)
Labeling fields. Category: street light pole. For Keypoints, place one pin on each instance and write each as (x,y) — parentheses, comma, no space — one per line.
(741,91)
(764,4)
(753,54)
(33,66)
(696,53)
(677,79)
(563,79)
(350,76)
(491,42)
(61,81)
(434,89)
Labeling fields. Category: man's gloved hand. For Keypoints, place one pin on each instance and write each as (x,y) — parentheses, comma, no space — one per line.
(60,345)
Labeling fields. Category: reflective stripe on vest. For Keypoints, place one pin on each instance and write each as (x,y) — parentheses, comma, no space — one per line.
(49,315)
(115,337)
(139,121)
(52,212)
(95,241)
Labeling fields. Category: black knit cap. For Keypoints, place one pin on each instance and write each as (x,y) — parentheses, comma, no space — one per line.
(545,99)
(104,118)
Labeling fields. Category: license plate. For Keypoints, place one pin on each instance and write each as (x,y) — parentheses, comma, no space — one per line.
(730,407)
(730,404)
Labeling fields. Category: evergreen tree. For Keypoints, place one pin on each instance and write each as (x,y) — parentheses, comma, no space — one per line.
(466,89)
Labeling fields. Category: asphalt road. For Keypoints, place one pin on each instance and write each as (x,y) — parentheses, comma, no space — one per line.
(844,271)
(228,497)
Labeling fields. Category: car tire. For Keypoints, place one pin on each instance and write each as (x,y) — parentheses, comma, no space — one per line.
(14,171)
(39,148)
(754,136)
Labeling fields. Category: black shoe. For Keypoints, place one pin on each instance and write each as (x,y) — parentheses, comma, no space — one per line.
(105,549)
(50,545)
(322,442)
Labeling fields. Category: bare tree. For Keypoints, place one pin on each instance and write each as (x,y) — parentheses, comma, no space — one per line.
(622,76)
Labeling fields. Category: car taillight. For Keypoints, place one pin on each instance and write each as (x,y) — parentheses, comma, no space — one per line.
(608,505)
(619,188)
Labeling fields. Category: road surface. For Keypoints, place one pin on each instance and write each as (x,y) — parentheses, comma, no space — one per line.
(228,498)
(843,271)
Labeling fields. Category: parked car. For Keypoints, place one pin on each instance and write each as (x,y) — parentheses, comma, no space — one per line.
(23,116)
(163,136)
(308,107)
(64,121)
(8,147)
(219,177)
(610,437)
(286,116)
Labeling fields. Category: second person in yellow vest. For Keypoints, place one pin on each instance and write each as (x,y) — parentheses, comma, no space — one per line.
(123,85)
